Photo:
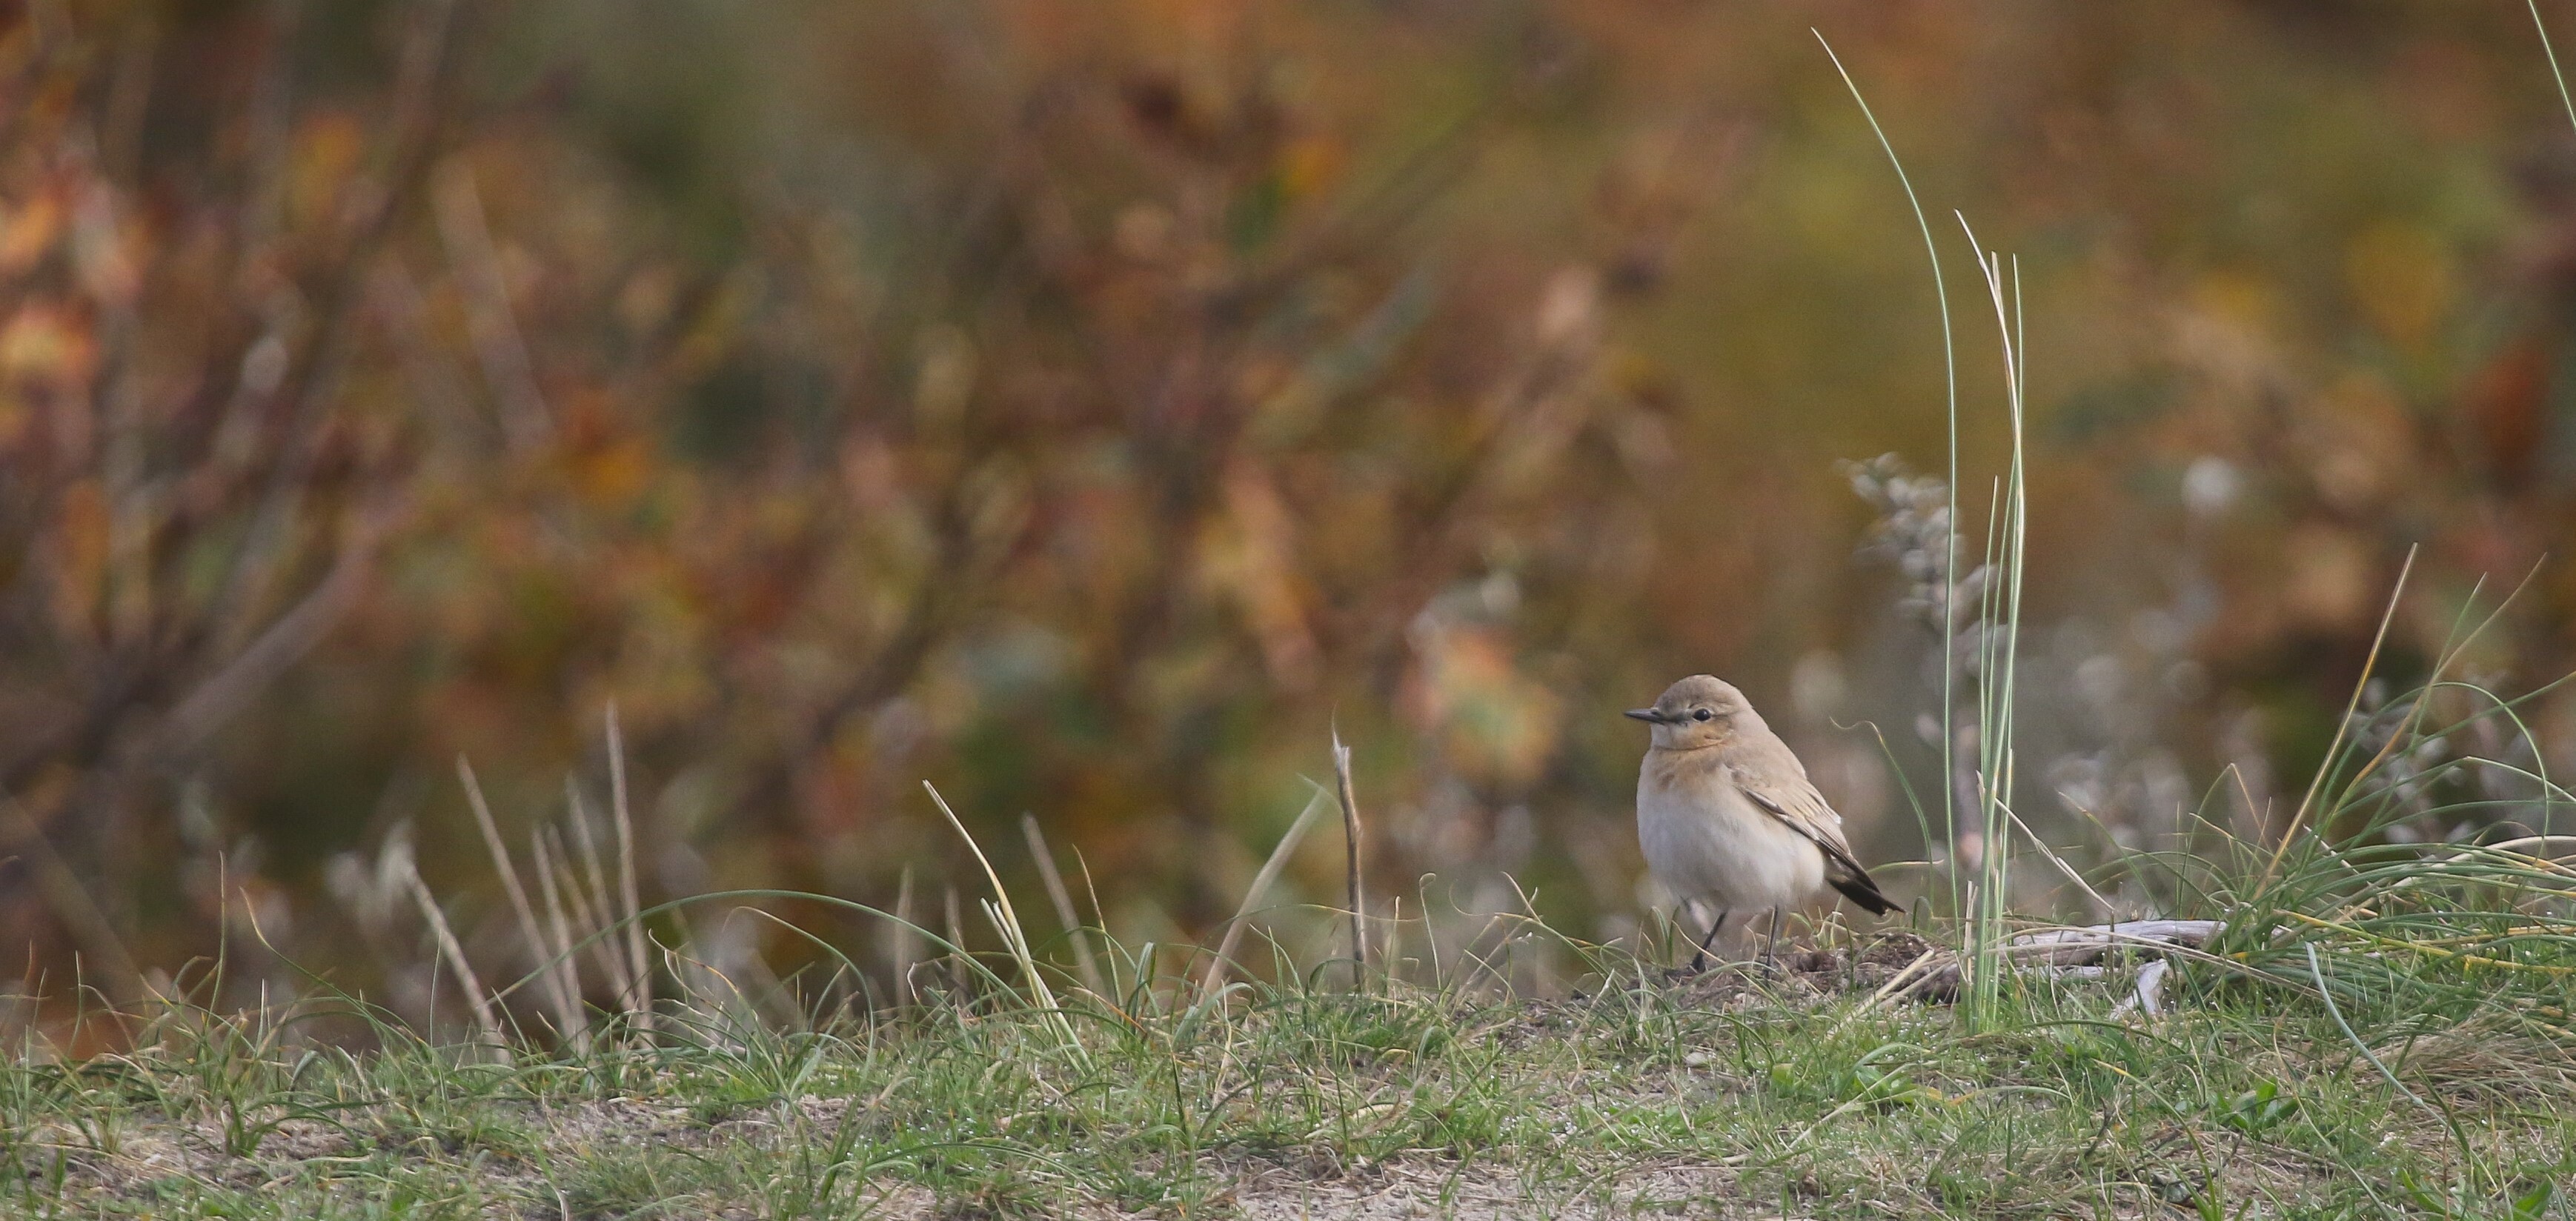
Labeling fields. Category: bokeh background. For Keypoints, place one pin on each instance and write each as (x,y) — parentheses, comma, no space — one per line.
(1089,405)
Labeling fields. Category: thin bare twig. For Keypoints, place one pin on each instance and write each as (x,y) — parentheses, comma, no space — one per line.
(424,85)
(276,648)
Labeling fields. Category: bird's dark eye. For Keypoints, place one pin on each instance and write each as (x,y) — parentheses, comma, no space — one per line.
(1701,714)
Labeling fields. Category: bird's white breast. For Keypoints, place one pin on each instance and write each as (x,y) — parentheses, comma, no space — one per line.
(1704,840)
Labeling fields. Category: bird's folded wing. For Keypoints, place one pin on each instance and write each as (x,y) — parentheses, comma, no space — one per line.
(1793,800)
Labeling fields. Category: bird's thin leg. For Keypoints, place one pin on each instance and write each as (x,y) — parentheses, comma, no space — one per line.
(1771,948)
(1700,959)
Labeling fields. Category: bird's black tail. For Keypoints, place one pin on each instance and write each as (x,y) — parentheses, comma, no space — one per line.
(1860,888)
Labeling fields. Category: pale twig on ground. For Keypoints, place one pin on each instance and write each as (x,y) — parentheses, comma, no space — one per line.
(2069,946)
(2064,953)
(2147,992)
(2545,851)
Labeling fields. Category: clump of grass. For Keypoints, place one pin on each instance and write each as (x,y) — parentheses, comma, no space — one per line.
(1980,882)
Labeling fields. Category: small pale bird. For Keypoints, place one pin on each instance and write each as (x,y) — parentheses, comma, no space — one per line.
(1727,815)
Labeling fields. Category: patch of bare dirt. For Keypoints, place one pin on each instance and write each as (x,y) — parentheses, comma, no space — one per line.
(1808,974)
(1405,1191)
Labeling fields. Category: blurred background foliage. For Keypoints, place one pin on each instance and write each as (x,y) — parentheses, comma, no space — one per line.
(1087,404)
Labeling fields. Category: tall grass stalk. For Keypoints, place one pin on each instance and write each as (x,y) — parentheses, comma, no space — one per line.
(1983,902)
(1999,658)
(1950,550)
(2334,748)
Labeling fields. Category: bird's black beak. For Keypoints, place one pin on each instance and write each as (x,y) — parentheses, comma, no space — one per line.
(1646,714)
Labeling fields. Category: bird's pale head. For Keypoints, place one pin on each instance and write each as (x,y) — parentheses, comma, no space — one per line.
(1699,711)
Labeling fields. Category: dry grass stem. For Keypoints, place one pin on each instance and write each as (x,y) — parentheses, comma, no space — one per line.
(959,980)
(588,920)
(602,902)
(1261,882)
(1015,937)
(1351,838)
(565,965)
(1062,898)
(485,1020)
(566,1005)
(902,953)
(633,912)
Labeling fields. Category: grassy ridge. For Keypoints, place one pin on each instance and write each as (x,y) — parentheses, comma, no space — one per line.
(1729,1095)
(2380,1028)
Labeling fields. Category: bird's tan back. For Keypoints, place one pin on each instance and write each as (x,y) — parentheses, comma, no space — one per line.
(1770,774)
